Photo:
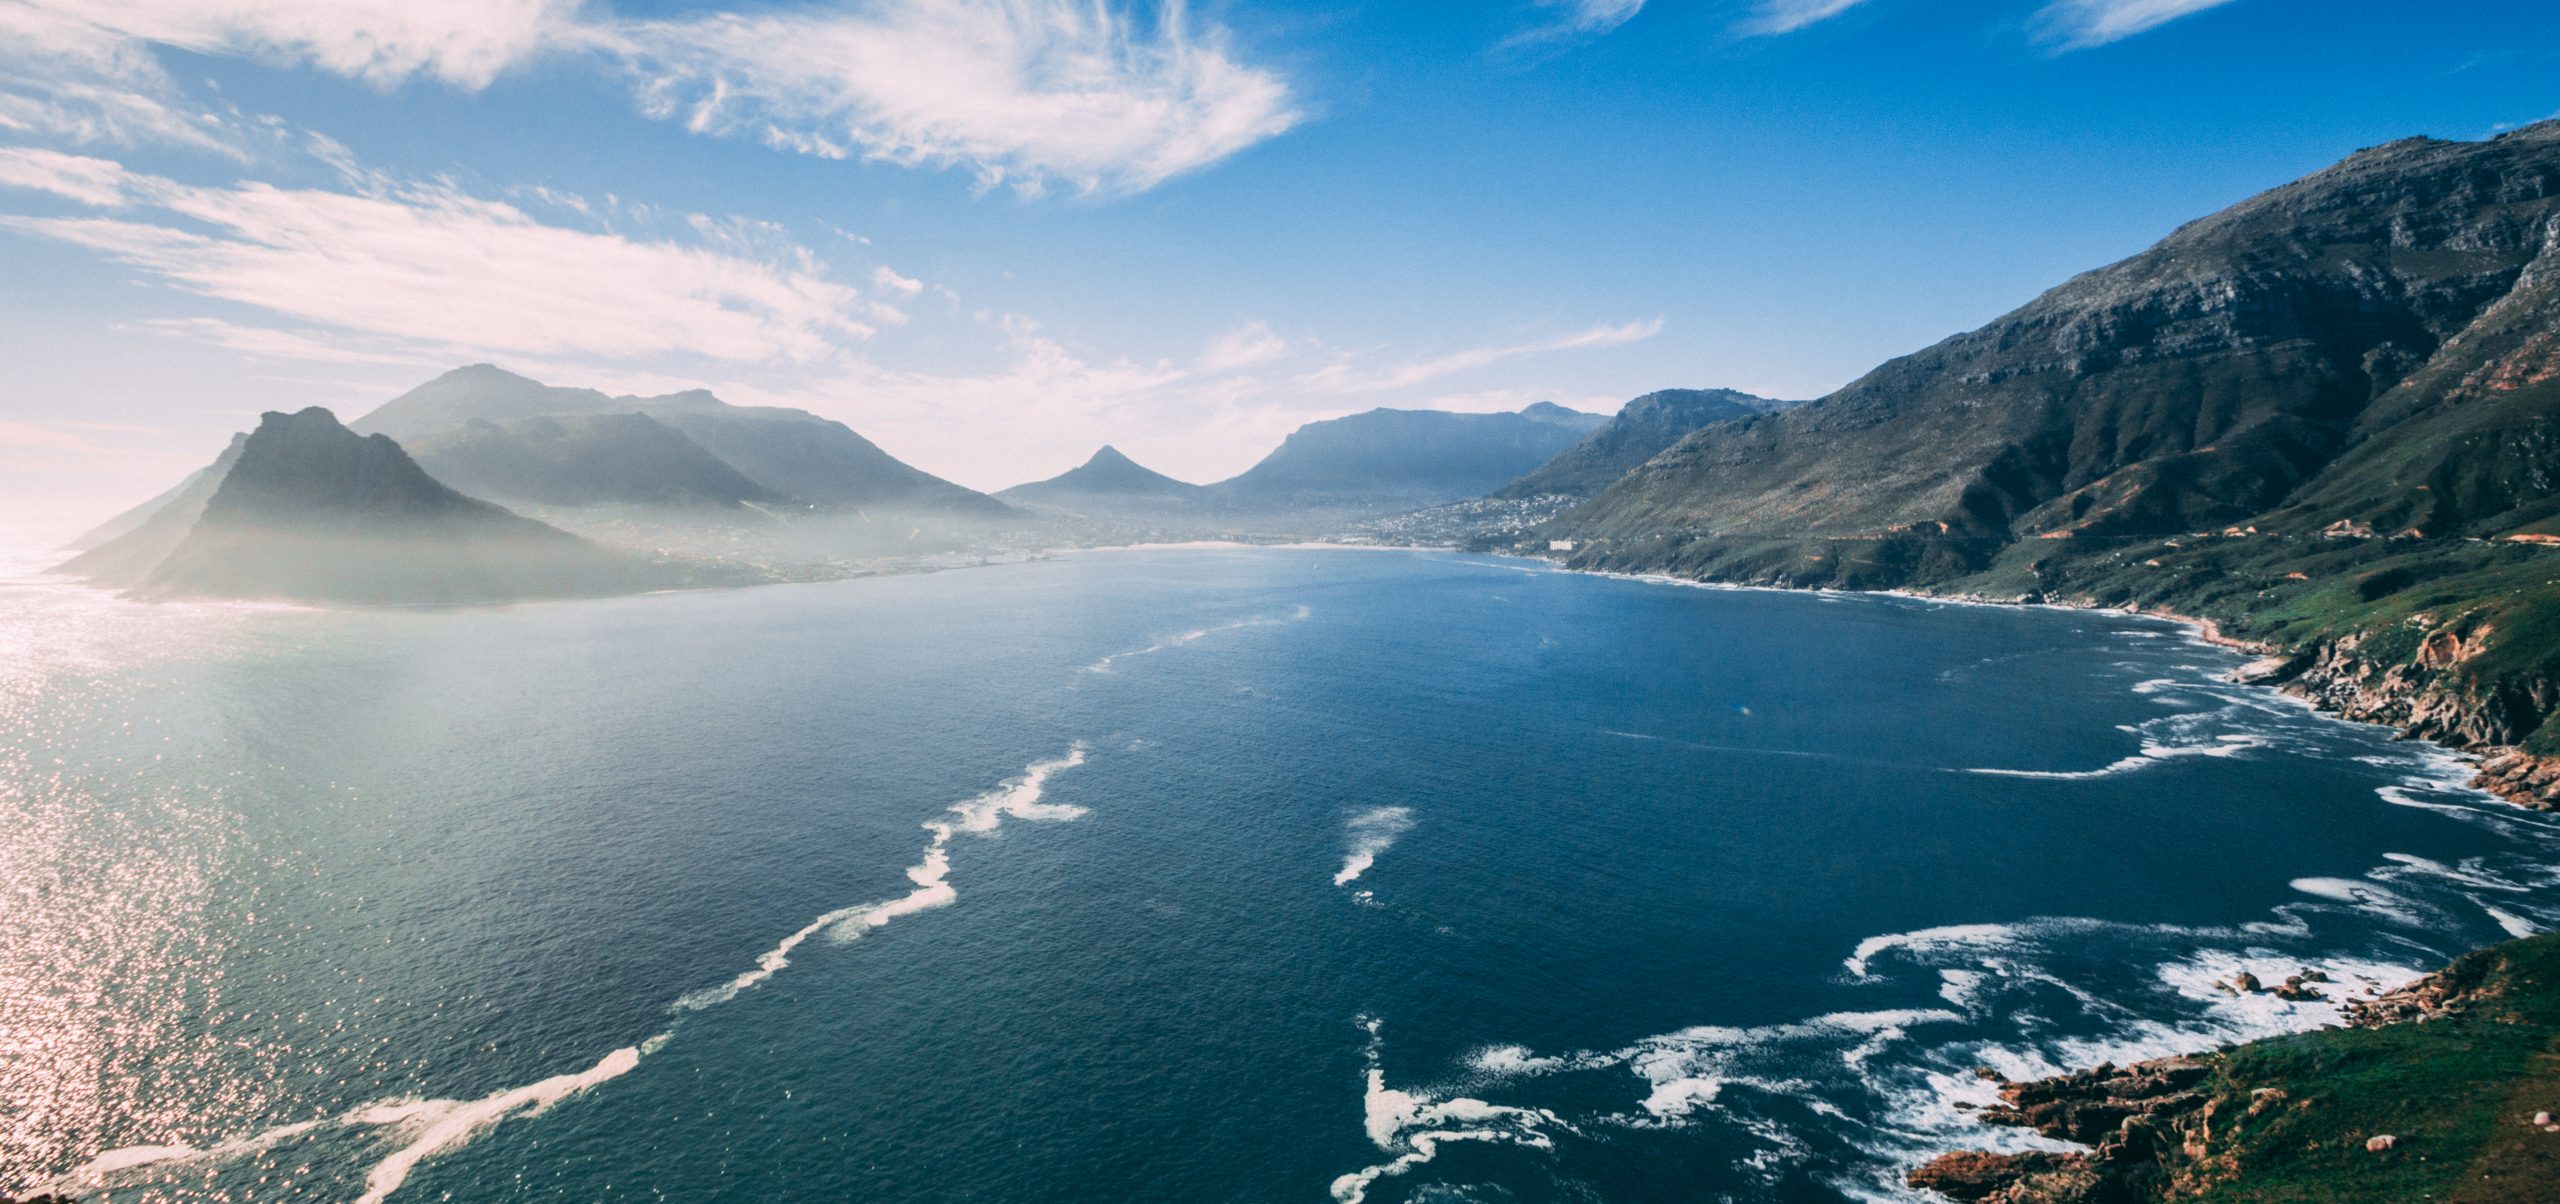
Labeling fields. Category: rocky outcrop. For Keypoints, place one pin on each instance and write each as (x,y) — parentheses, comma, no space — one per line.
(2138,1121)
(2429,697)
(2177,1127)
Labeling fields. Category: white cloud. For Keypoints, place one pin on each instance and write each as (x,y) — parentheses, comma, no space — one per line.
(1581,18)
(466,43)
(1347,377)
(2079,24)
(1087,93)
(1787,16)
(883,278)
(98,182)
(429,269)
(1026,91)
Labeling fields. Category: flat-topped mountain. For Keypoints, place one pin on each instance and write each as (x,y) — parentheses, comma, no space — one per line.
(310,510)
(1639,432)
(584,460)
(785,453)
(1108,481)
(1396,459)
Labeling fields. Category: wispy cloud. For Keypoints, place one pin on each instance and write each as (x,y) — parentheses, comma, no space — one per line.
(1027,92)
(1771,17)
(2062,25)
(1091,94)
(96,182)
(2080,24)
(428,268)
(1579,19)
(1348,377)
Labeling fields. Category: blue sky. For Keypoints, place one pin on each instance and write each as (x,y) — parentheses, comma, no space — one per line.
(992,234)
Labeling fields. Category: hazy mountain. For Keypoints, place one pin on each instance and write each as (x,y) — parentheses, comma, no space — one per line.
(1109,482)
(1579,420)
(312,511)
(1395,459)
(2375,343)
(788,453)
(584,460)
(1639,432)
(121,551)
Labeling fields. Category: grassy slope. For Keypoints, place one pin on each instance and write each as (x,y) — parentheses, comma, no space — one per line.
(2457,1093)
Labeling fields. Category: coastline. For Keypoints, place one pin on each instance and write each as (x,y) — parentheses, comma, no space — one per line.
(2329,676)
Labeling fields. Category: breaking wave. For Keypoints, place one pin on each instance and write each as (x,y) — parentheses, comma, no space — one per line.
(1371,832)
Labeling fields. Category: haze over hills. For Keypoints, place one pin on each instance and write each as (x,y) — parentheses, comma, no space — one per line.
(585,460)
(1580,420)
(124,549)
(1640,430)
(1398,459)
(311,511)
(786,453)
(1109,482)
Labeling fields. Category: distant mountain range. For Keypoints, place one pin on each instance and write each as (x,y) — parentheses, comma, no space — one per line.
(1381,461)
(475,423)
(309,510)
(1639,432)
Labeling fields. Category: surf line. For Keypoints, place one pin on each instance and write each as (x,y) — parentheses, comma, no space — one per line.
(1298,614)
(434,1126)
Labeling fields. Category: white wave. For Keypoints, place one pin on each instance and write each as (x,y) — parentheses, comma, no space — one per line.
(2154,752)
(111,1168)
(2517,926)
(1512,1061)
(1413,1126)
(1371,832)
(1298,614)
(432,1126)
(2365,896)
(444,1124)
(2469,873)
(1930,940)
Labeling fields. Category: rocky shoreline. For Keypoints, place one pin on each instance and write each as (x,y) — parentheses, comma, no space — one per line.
(2418,697)
(2177,1127)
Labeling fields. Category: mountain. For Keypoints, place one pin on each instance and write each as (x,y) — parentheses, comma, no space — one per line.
(1395,459)
(313,511)
(1639,432)
(2316,352)
(1579,420)
(1109,482)
(785,452)
(2326,419)
(584,460)
(124,549)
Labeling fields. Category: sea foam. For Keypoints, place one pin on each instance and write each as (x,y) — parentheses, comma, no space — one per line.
(1370,833)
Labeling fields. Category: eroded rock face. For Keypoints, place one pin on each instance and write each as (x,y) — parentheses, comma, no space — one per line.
(2135,1119)
(2430,698)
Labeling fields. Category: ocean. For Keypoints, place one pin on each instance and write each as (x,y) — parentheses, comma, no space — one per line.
(1194,874)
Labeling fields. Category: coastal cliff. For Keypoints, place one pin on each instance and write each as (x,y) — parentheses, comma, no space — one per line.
(2440,1090)
(2326,419)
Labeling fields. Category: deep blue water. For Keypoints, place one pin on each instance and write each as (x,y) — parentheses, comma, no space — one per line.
(1662,893)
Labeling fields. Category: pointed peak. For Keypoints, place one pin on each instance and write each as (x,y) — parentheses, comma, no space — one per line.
(1108,456)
